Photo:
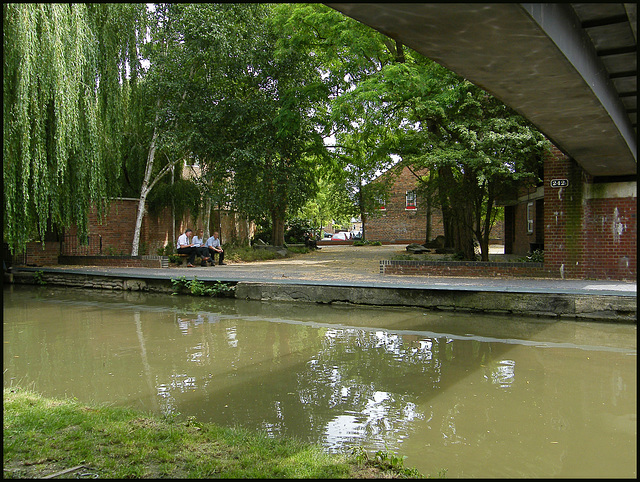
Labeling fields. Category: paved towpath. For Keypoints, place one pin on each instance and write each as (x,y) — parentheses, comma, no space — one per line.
(358,266)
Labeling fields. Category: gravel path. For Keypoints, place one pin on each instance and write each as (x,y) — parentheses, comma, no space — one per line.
(331,262)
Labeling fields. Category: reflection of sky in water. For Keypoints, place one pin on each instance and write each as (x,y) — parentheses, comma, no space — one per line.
(274,429)
(186,324)
(180,382)
(501,373)
(231,337)
(379,421)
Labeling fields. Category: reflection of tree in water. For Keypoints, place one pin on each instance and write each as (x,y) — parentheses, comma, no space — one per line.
(368,381)
(365,384)
(335,385)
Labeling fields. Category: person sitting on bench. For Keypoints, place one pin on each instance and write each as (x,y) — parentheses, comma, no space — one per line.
(309,241)
(213,245)
(185,247)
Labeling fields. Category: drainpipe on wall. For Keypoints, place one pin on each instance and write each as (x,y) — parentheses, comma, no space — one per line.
(220,223)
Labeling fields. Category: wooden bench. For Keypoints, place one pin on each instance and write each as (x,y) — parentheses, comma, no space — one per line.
(186,256)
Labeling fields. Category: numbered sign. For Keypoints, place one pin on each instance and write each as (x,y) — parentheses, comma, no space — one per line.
(559,182)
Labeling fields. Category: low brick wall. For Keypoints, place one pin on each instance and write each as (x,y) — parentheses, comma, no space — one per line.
(116,261)
(464,268)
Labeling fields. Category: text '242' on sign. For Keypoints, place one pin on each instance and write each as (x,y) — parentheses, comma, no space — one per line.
(559,182)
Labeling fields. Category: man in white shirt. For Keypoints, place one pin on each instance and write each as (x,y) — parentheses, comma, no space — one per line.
(213,245)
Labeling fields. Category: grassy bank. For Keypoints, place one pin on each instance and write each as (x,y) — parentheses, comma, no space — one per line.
(44,437)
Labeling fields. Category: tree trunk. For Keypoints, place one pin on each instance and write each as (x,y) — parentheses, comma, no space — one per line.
(363,212)
(444,184)
(173,208)
(427,229)
(457,212)
(144,191)
(207,218)
(277,231)
(219,223)
(463,226)
(485,232)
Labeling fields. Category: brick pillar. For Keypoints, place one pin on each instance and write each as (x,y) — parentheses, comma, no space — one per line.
(42,254)
(590,229)
(563,230)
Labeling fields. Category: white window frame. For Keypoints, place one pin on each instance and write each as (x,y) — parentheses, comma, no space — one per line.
(530,217)
(414,197)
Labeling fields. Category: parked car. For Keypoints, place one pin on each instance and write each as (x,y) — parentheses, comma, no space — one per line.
(341,236)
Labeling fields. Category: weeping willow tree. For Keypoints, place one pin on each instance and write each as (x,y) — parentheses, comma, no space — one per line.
(68,69)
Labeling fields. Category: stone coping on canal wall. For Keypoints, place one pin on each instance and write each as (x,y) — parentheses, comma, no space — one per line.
(143,261)
(578,306)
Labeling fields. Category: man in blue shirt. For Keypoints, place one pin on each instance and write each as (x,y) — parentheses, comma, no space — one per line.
(213,244)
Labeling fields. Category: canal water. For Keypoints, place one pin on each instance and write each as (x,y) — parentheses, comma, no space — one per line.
(477,396)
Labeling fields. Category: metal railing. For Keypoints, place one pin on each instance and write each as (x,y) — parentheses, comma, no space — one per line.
(73,245)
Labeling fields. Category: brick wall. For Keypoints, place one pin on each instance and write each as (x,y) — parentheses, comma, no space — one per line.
(116,227)
(463,268)
(39,255)
(610,238)
(590,229)
(563,229)
(157,232)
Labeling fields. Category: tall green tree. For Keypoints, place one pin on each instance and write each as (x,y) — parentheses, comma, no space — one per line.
(272,119)
(65,93)
(476,148)
(350,53)
(363,153)
(189,50)
(232,94)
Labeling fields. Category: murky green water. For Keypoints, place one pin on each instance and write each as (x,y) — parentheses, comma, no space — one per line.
(478,396)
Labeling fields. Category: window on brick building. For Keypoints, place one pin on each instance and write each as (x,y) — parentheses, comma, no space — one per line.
(192,161)
(380,203)
(410,197)
(530,215)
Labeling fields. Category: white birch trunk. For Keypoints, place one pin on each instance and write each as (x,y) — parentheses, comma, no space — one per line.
(207,218)
(143,195)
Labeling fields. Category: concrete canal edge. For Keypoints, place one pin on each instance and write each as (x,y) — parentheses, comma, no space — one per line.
(582,307)
(586,307)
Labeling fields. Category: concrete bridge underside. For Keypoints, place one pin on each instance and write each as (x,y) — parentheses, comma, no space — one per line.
(571,69)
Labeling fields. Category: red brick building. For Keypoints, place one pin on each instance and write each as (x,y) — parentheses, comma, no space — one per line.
(586,226)
(406,217)
(524,222)
(403,216)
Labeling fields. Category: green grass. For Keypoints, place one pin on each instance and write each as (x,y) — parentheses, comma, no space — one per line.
(247,254)
(43,436)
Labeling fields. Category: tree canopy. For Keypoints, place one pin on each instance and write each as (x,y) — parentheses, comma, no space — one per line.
(64,99)
(251,92)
